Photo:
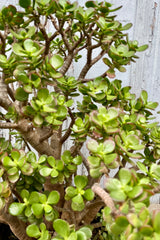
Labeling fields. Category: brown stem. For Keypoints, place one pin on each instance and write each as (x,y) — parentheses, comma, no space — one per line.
(91,79)
(67,63)
(104,196)
(46,136)
(8,125)
(3,44)
(68,132)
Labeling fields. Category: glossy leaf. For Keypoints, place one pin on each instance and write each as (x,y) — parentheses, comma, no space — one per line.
(16,209)
(56,61)
(61,227)
(33,231)
(80,181)
(53,197)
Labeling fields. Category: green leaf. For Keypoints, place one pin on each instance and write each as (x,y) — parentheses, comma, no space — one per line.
(142,48)
(144,96)
(38,119)
(43,2)
(24,194)
(51,160)
(108,146)
(81,235)
(94,161)
(156,223)
(122,221)
(77,160)
(146,230)
(113,184)
(33,231)
(88,195)
(95,173)
(61,227)
(126,27)
(142,167)
(56,61)
(34,197)
(16,209)
(53,197)
(92,145)
(124,176)
(3,59)
(80,181)
(24,3)
(70,192)
(108,159)
(45,171)
(77,203)
(118,195)
(18,50)
(21,95)
(87,232)
(7,162)
(43,95)
(37,209)
(72,236)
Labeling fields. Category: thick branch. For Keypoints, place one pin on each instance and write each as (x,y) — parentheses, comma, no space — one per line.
(7,125)
(91,79)
(3,44)
(67,63)
(68,132)
(104,196)
(33,138)
(89,64)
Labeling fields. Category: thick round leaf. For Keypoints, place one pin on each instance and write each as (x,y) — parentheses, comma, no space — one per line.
(48,209)
(61,227)
(33,231)
(53,197)
(37,209)
(45,171)
(21,95)
(108,146)
(7,162)
(77,206)
(51,160)
(113,184)
(73,236)
(34,197)
(122,221)
(81,235)
(80,181)
(56,61)
(92,145)
(88,195)
(16,209)
(95,173)
(70,192)
(156,223)
(94,161)
(87,231)
(118,195)
(124,176)
(25,3)
(135,192)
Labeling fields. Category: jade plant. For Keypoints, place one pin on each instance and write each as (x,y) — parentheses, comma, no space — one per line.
(53,134)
